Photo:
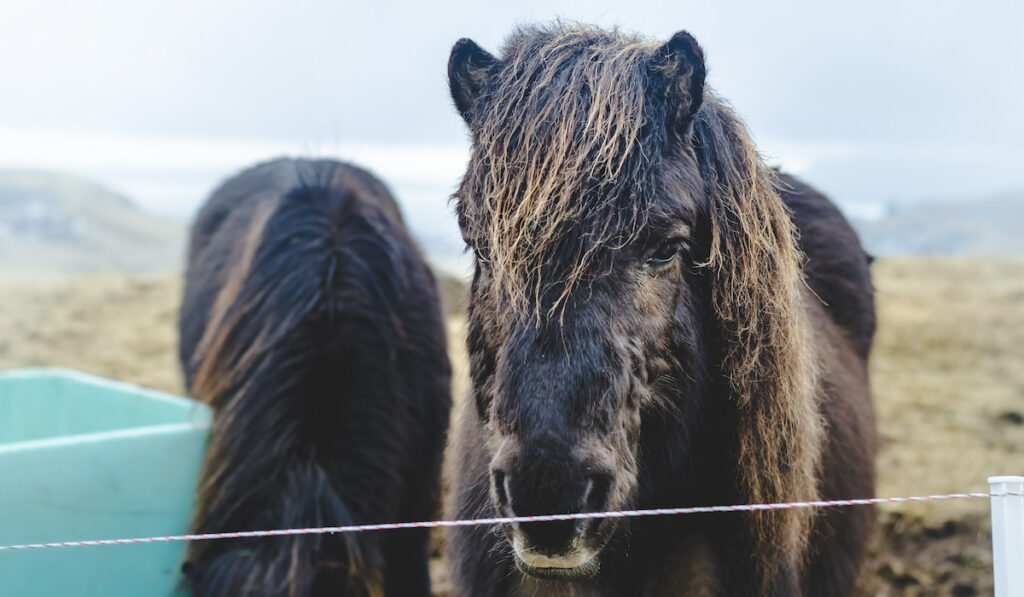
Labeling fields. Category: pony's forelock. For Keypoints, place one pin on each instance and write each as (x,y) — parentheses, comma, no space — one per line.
(560,146)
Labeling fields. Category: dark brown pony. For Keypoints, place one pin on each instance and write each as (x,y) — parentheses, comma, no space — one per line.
(311,323)
(656,319)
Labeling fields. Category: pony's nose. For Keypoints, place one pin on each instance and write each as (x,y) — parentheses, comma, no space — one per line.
(526,494)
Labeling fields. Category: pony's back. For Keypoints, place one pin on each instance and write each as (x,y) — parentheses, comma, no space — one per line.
(312,325)
(836,266)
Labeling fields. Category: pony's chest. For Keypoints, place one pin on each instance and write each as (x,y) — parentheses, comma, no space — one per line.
(689,569)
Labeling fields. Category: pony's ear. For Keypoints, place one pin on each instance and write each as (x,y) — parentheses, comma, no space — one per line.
(468,69)
(678,66)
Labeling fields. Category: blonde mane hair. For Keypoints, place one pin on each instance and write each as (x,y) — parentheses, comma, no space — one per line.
(758,294)
(566,121)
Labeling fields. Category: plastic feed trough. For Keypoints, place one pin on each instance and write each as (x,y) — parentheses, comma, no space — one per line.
(83,457)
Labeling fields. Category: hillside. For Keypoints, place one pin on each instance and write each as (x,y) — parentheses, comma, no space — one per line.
(59,224)
(984,227)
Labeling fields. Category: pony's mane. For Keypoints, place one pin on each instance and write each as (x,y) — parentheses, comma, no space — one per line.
(758,297)
(562,165)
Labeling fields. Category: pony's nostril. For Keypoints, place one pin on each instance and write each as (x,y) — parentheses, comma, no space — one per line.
(500,487)
(595,498)
(595,495)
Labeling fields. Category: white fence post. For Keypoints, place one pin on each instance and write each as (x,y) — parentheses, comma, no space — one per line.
(1008,536)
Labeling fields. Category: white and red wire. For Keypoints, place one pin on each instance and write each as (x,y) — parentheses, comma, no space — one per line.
(394,526)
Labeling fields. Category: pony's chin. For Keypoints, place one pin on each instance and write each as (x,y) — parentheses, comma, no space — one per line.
(584,571)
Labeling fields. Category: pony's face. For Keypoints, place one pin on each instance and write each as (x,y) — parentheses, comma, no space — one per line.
(584,205)
(563,398)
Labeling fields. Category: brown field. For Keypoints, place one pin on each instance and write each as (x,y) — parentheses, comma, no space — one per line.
(947,371)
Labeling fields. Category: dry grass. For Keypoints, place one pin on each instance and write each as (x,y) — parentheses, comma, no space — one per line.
(124,327)
(948,377)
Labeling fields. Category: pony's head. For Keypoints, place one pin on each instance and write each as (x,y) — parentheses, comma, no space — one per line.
(632,255)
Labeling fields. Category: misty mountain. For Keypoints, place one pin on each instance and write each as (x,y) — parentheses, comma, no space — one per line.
(54,223)
(992,227)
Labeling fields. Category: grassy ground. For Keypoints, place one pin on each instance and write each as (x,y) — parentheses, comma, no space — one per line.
(948,377)
(948,380)
(118,326)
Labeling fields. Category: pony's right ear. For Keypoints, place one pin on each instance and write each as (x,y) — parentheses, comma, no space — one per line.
(468,69)
(679,67)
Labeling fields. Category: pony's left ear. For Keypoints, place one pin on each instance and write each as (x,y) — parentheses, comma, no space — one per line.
(469,67)
(678,66)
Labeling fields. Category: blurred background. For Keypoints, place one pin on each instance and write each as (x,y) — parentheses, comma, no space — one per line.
(117,118)
(908,114)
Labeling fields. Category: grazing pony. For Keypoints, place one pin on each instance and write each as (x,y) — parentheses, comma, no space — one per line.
(311,324)
(656,319)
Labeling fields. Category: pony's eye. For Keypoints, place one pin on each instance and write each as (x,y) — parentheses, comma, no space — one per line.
(480,256)
(665,253)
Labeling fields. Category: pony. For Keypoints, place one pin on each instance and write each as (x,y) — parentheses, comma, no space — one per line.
(311,323)
(656,319)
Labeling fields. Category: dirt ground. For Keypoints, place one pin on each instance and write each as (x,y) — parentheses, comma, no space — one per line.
(947,372)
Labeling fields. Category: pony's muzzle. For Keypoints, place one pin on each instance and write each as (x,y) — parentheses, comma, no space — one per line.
(558,544)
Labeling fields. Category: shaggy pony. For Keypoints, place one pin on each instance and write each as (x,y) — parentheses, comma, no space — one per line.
(311,324)
(701,325)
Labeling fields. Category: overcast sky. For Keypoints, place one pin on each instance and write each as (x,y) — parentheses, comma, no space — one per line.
(879,100)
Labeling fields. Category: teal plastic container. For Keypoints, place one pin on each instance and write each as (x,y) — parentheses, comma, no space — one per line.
(82,457)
